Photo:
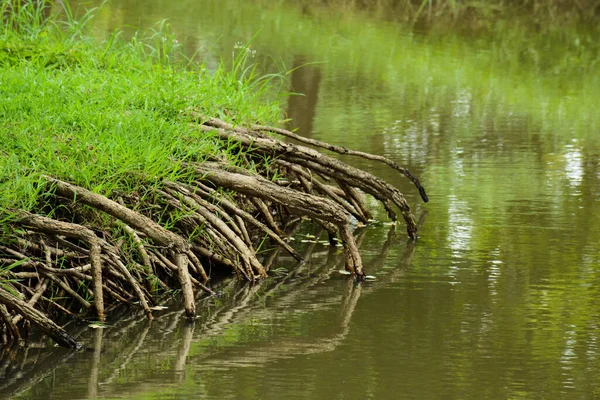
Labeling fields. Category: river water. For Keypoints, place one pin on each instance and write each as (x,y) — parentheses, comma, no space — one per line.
(499,297)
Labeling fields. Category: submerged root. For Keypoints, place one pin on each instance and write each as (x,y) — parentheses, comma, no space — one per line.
(71,262)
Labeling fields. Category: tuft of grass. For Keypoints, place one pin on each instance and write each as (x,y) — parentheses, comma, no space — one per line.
(107,115)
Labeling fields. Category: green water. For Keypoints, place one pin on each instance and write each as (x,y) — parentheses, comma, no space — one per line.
(500,296)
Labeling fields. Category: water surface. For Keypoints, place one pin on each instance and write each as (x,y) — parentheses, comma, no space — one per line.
(500,296)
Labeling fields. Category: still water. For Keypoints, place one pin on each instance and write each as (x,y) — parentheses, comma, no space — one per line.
(500,296)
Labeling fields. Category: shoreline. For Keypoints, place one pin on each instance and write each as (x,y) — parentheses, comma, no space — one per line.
(119,186)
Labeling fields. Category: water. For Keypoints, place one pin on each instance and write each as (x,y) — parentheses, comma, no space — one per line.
(500,296)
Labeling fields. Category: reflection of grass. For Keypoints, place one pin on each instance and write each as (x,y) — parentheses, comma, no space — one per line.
(550,79)
(551,74)
(468,11)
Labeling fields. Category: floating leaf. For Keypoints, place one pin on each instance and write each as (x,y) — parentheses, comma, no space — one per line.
(344,272)
(308,241)
(309,236)
(158,308)
(370,277)
(97,325)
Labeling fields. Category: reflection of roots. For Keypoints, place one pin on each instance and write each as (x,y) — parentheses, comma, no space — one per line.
(91,251)
(239,305)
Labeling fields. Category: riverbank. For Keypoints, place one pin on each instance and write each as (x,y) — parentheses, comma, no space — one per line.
(119,184)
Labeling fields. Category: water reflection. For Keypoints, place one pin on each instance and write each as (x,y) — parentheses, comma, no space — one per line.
(302,104)
(236,330)
(574,165)
(498,298)
(460,226)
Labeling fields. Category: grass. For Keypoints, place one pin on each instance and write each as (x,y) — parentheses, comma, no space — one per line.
(107,115)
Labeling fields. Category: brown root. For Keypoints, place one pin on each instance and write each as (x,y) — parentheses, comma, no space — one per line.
(67,263)
(317,162)
(58,334)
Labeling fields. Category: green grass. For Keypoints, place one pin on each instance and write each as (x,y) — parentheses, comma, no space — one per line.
(107,115)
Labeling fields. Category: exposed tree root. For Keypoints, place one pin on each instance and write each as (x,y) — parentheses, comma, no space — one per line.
(319,163)
(68,263)
(58,334)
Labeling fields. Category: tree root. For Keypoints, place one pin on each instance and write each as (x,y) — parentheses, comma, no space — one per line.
(69,263)
(54,331)
(320,163)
